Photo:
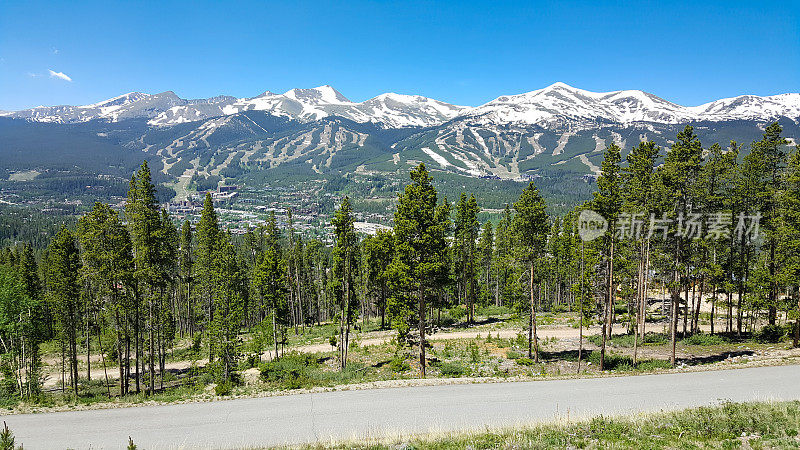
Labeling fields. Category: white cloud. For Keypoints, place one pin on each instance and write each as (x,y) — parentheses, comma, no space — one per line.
(33,75)
(62,75)
(54,50)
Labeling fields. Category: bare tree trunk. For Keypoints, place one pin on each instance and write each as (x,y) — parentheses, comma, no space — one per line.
(643,316)
(796,339)
(699,304)
(638,303)
(674,313)
(152,346)
(533,322)
(88,345)
(609,317)
(422,332)
(103,357)
(580,320)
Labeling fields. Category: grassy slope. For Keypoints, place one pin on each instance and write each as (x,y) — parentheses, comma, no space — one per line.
(730,425)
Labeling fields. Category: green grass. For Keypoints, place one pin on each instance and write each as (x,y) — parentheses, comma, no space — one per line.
(705,339)
(622,363)
(626,340)
(727,426)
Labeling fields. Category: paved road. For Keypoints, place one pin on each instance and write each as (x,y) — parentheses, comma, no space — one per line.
(352,414)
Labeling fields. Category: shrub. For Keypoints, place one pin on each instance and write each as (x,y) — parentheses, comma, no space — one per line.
(196,342)
(474,353)
(291,370)
(223,388)
(447,321)
(513,354)
(8,384)
(458,312)
(249,362)
(653,364)
(612,362)
(524,361)
(771,333)
(704,339)
(655,339)
(626,340)
(492,310)
(452,369)
(399,364)
(7,438)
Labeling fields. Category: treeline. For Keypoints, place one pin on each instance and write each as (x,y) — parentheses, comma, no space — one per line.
(706,226)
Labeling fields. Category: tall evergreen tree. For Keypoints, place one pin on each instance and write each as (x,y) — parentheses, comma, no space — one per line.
(108,269)
(485,254)
(608,202)
(205,254)
(770,150)
(531,226)
(63,266)
(268,284)
(185,264)
(420,228)
(678,179)
(144,221)
(345,263)
(230,295)
(789,233)
(378,255)
(637,193)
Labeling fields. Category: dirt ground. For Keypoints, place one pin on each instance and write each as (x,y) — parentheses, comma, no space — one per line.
(559,338)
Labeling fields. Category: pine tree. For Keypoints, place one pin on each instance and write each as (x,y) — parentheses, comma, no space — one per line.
(678,181)
(419,265)
(186,263)
(63,266)
(230,296)
(637,193)
(345,264)
(485,255)
(268,284)
(204,257)
(108,268)
(378,255)
(530,227)
(147,237)
(502,256)
(466,235)
(608,202)
(789,233)
(747,198)
(773,160)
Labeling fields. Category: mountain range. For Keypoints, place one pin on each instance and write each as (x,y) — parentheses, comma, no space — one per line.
(557,132)
(551,106)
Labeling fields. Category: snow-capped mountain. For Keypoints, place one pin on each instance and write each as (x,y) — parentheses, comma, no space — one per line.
(560,104)
(750,107)
(127,106)
(554,107)
(305,105)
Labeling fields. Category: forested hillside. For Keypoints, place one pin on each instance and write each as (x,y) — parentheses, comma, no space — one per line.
(122,287)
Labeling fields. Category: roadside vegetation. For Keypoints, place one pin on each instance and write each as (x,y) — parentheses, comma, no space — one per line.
(727,426)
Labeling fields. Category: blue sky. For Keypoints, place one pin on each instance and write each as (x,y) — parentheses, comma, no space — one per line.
(461,52)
